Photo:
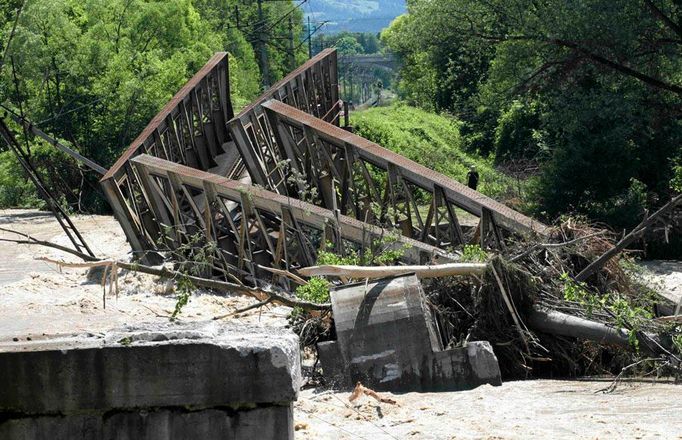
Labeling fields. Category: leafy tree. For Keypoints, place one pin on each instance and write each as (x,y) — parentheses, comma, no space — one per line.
(599,81)
(516,135)
(348,46)
(94,72)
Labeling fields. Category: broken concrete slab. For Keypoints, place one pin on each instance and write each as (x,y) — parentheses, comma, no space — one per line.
(209,375)
(387,339)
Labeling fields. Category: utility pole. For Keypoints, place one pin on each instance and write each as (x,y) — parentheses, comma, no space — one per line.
(236,16)
(262,50)
(292,55)
(310,39)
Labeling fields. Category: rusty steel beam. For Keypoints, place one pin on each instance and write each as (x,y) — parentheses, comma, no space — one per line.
(372,183)
(191,130)
(43,190)
(312,88)
(255,229)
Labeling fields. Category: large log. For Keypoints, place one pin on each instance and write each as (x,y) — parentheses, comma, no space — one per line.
(435,271)
(562,324)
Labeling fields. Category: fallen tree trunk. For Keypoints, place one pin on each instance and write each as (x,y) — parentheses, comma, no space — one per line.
(562,324)
(557,323)
(632,236)
(436,271)
(263,295)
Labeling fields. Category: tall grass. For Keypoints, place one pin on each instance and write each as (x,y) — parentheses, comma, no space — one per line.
(434,141)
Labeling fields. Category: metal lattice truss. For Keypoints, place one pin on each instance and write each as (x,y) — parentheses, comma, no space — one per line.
(189,130)
(255,230)
(313,89)
(376,185)
(186,183)
(192,130)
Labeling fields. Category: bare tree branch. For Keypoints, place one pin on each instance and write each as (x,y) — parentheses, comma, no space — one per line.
(664,18)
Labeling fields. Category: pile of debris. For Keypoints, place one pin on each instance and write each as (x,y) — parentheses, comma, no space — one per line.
(280,199)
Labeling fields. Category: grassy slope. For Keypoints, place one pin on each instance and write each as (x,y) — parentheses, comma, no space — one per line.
(431,140)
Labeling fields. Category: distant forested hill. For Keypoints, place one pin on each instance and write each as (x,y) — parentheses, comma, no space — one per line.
(354,15)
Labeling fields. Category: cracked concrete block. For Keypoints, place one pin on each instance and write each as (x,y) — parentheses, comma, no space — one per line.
(224,381)
(388,340)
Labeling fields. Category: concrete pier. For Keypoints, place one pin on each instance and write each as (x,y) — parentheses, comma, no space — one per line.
(201,380)
(387,339)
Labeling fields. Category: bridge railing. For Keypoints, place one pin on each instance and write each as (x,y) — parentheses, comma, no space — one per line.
(373,184)
(190,130)
(256,232)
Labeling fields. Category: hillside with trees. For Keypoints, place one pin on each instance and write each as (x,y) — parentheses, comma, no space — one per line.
(590,92)
(94,73)
(355,15)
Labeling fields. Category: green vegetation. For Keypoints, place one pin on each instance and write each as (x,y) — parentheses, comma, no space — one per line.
(317,290)
(627,313)
(588,91)
(93,73)
(434,141)
(384,251)
(350,43)
(472,253)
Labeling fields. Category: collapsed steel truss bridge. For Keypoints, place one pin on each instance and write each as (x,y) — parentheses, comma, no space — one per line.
(281,180)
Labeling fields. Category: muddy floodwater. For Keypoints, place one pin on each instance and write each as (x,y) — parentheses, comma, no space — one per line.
(36,300)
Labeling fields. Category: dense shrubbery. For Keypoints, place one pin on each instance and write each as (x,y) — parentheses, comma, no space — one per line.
(516,134)
(591,91)
(431,140)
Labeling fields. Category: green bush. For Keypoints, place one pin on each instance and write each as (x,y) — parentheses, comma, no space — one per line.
(429,139)
(317,290)
(472,253)
(515,134)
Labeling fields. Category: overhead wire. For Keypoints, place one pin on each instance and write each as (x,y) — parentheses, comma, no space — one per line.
(11,35)
(280,19)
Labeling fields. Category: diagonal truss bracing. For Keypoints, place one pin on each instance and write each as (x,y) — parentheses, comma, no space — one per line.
(373,184)
(255,230)
(184,183)
(313,89)
(192,130)
(189,130)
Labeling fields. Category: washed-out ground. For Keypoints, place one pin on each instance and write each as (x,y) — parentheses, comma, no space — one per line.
(37,300)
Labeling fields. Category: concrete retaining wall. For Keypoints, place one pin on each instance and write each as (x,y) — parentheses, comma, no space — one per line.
(203,381)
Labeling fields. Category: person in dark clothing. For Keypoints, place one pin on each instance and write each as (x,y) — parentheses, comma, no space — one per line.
(472,178)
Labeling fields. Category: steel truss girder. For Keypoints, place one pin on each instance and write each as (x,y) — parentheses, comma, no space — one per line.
(372,183)
(254,229)
(313,89)
(191,130)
